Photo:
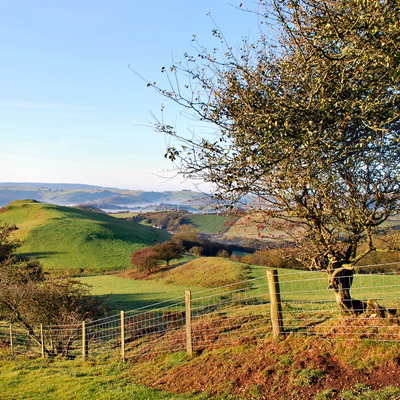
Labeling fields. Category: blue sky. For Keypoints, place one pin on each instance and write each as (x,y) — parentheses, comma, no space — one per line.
(70,108)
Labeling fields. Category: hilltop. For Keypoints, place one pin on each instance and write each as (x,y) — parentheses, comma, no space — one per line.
(75,240)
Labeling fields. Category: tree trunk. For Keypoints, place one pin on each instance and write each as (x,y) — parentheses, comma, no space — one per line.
(340,281)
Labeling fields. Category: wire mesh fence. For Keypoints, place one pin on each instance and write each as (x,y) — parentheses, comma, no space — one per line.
(236,313)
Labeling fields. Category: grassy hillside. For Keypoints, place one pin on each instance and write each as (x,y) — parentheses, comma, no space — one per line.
(125,293)
(73,240)
(211,224)
(297,368)
(241,360)
(207,272)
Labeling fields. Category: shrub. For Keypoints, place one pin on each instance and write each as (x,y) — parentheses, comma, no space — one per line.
(146,260)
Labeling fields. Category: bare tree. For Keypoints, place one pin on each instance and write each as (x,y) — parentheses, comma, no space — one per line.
(307,120)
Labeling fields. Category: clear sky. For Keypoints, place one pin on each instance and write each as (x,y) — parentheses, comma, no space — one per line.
(71,110)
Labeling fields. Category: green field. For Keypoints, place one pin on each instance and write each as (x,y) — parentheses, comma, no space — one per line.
(197,275)
(211,224)
(129,294)
(73,240)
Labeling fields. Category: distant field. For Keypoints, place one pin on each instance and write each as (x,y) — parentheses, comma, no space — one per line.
(124,214)
(73,240)
(211,224)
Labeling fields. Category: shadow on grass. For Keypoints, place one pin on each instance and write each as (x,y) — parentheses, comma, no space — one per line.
(40,254)
(130,302)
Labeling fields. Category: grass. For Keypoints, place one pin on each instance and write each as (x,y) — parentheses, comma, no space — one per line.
(211,224)
(128,294)
(206,272)
(73,240)
(309,286)
(63,379)
(300,290)
(39,379)
(228,372)
(129,214)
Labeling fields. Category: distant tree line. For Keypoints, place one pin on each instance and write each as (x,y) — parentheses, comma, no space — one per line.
(169,220)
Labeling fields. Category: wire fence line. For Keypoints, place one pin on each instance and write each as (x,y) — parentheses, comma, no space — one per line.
(235,313)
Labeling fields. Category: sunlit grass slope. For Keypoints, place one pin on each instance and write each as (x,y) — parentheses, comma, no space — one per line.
(207,272)
(70,239)
(63,379)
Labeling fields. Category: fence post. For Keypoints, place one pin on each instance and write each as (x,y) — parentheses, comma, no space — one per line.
(275,300)
(123,336)
(41,340)
(11,340)
(84,342)
(188,301)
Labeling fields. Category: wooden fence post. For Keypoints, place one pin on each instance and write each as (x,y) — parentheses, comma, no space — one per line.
(41,340)
(188,301)
(275,300)
(84,342)
(11,340)
(123,336)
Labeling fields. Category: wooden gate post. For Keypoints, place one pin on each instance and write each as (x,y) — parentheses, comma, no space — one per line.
(123,336)
(84,342)
(275,300)
(188,315)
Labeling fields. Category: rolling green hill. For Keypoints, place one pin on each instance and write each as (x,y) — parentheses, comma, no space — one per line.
(74,240)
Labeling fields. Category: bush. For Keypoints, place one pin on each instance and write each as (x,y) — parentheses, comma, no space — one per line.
(223,253)
(146,260)
(196,251)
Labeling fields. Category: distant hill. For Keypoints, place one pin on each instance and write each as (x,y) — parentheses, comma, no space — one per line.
(76,240)
(105,198)
(53,186)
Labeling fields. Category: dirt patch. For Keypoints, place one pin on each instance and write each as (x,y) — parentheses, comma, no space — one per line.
(295,368)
